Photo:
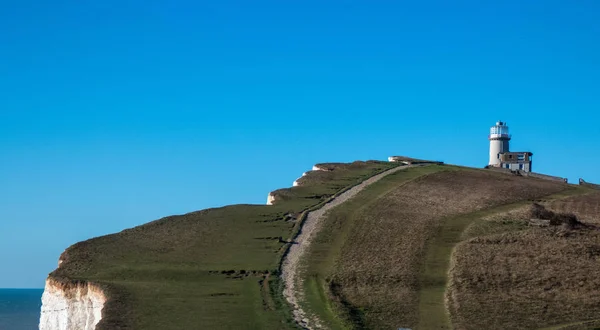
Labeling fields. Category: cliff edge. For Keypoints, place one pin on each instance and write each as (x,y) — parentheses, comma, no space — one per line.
(210,269)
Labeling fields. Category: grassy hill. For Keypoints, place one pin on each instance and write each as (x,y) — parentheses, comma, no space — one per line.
(417,250)
(431,247)
(215,268)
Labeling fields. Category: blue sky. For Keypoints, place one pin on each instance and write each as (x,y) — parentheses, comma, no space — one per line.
(115,113)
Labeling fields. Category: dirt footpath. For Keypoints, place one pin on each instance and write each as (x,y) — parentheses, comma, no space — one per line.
(290,271)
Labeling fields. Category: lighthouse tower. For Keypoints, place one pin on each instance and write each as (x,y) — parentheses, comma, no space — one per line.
(499,138)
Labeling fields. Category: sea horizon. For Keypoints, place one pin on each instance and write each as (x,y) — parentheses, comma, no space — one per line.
(20,308)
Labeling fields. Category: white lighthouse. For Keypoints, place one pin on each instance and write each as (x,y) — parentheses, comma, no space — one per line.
(501,156)
(499,138)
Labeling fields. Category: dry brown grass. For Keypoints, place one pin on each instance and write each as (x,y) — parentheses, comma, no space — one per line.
(587,208)
(532,278)
(377,273)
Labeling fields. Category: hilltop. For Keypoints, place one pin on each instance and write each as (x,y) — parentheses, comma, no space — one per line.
(423,245)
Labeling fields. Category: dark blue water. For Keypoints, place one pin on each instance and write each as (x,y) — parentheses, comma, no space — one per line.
(20,308)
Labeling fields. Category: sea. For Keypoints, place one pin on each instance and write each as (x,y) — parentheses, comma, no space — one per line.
(20,308)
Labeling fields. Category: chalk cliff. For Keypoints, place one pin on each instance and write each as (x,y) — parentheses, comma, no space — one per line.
(71,306)
(270,199)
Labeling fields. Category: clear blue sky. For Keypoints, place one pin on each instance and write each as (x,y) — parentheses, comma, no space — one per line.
(115,113)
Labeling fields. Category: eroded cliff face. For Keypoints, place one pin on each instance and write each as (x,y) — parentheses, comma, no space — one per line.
(270,199)
(71,306)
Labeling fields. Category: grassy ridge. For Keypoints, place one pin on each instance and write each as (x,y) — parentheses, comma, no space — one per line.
(367,267)
(380,261)
(327,247)
(215,268)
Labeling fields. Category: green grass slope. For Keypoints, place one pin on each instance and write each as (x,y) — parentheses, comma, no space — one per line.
(211,269)
(428,247)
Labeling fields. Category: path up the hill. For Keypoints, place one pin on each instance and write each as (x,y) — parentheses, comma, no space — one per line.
(291,267)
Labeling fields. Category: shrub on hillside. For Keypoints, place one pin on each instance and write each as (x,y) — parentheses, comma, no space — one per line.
(538,211)
(568,219)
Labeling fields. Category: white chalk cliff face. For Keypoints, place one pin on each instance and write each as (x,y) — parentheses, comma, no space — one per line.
(71,307)
(270,199)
